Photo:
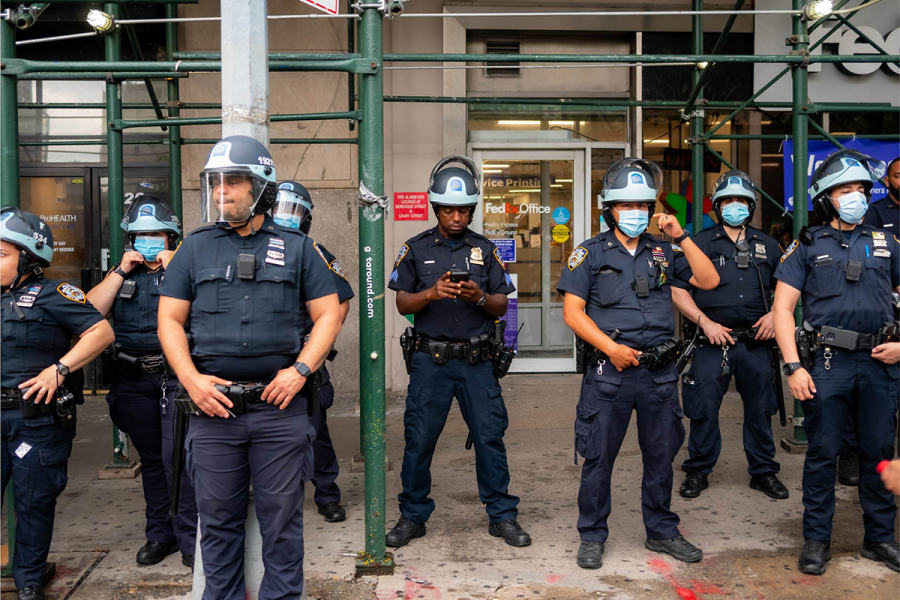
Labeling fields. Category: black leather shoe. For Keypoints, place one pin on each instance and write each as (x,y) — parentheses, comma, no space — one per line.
(814,556)
(848,466)
(886,552)
(404,531)
(32,592)
(590,555)
(511,532)
(694,483)
(677,547)
(188,561)
(333,512)
(769,485)
(154,552)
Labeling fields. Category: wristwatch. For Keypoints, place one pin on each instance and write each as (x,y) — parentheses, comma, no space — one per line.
(302,369)
(62,369)
(482,301)
(790,368)
(684,235)
(119,271)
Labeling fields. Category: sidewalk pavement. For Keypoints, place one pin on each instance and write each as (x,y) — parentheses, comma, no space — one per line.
(750,542)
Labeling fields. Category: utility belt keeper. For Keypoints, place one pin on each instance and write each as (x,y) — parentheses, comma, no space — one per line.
(586,356)
(809,340)
(475,350)
(63,407)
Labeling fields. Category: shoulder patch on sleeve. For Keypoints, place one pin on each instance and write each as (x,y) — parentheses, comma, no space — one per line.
(67,290)
(403,251)
(789,250)
(499,260)
(332,264)
(577,257)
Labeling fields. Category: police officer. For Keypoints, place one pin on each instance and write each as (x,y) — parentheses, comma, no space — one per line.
(293,208)
(449,313)
(736,323)
(40,318)
(618,299)
(246,286)
(845,271)
(141,392)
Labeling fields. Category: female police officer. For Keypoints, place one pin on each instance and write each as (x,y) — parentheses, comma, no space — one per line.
(141,393)
(845,272)
(619,280)
(39,319)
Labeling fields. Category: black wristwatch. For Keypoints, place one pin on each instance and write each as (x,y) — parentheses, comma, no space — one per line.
(791,368)
(684,235)
(482,301)
(62,369)
(302,369)
(119,271)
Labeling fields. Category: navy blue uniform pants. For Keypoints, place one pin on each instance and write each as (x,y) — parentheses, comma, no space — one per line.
(135,406)
(272,448)
(862,389)
(35,454)
(604,409)
(702,390)
(326,468)
(430,394)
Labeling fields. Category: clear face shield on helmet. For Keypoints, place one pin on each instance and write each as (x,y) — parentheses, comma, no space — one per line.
(229,196)
(291,209)
(846,166)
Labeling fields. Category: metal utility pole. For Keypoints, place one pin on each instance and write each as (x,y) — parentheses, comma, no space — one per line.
(697,116)
(174,113)
(245,69)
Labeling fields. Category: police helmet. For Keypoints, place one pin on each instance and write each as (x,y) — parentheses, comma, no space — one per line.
(734,184)
(236,162)
(30,234)
(842,167)
(630,180)
(293,206)
(454,186)
(150,214)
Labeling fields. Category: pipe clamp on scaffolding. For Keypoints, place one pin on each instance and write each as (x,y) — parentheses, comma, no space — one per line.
(368,198)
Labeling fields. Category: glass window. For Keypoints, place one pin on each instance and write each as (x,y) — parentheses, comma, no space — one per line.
(554,125)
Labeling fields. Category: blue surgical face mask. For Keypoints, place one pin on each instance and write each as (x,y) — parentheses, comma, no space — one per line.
(853,207)
(292,221)
(633,222)
(735,213)
(149,246)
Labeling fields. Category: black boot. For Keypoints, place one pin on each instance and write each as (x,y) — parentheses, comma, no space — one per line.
(404,531)
(511,533)
(32,592)
(154,552)
(886,552)
(848,466)
(694,483)
(333,512)
(188,561)
(590,555)
(814,556)
(770,486)
(676,547)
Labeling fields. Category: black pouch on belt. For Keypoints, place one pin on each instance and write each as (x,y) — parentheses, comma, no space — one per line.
(30,410)
(475,349)
(439,351)
(64,407)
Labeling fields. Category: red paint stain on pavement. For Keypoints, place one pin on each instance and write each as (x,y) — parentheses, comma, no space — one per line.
(425,590)
(807,580)
(663,568)
(701,587)
(554,578)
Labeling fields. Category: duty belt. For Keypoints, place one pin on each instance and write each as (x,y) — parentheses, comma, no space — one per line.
(809,340)
(9,398)
(441,351)
(740,336)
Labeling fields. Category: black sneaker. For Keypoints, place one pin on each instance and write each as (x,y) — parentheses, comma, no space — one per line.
(32,592)
(404,531)
(676,547)
(769,485)
(814,556)
(154,552)
(848,466)
(694,483)
(886,552)
(590,555)
(333,512)
(511,532)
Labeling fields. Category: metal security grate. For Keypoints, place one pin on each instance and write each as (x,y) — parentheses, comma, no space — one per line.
(502,69)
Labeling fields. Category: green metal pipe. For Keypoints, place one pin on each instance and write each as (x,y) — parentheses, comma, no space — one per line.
(9,121)
(827,135)
(762,192)
(125,124)
(29,14)
(704,75)
(351,49)
(136,48)
(20,66)
(845,21)
(698,117)
(93,143)
(272,55)
(371,282)
(172,94)
(276,141)
(635,58)
(101,76)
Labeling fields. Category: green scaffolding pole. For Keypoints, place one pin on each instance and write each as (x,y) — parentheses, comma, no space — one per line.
(697,116)
(371,278)
(172,94)
(9,121)
(119,124)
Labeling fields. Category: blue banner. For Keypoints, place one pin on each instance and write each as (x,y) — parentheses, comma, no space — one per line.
(819,150)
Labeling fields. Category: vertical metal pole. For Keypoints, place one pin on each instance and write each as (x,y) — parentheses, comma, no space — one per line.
(9,119)
(245,69)
(697,118)
(799,74)
(174,112)
(371,280)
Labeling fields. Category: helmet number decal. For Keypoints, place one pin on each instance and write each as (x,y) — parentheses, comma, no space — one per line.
(265,160)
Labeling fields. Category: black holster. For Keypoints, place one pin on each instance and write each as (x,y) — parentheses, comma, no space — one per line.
(313,389)
(502,354)
(408,347)
(178,451)
(806,340)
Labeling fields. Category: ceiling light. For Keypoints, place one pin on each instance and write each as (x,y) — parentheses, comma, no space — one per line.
(537,191)
(702,65)
(556,185)
(515,122)
(487,166)
(563,181)
(816,10)
(656,141)
(562,122)
(100,21)
(582,122)
(492,170)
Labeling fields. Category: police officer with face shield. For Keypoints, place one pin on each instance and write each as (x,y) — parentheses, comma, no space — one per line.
(246,285)
(838,363)
(40,385)
(618,301)
(141,395)
(293,209)
(454,282)
(736,325)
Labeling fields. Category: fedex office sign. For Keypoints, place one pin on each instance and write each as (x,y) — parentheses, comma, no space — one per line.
(515,209)
(849,42)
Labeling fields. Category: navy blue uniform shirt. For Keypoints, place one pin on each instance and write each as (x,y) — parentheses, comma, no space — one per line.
(818,271)
(884,214)
(603,273)
(134,312)
(247,329)
(738,299)
(52,313)
(344,291)
(426,257)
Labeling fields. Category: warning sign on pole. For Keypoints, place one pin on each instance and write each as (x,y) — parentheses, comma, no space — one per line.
(329,6)
(410,206)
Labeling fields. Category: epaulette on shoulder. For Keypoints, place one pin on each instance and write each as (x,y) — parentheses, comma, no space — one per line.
(420,236)
(202,228)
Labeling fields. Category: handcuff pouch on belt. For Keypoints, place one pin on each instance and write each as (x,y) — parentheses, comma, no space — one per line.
(63,407)
(659,356)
